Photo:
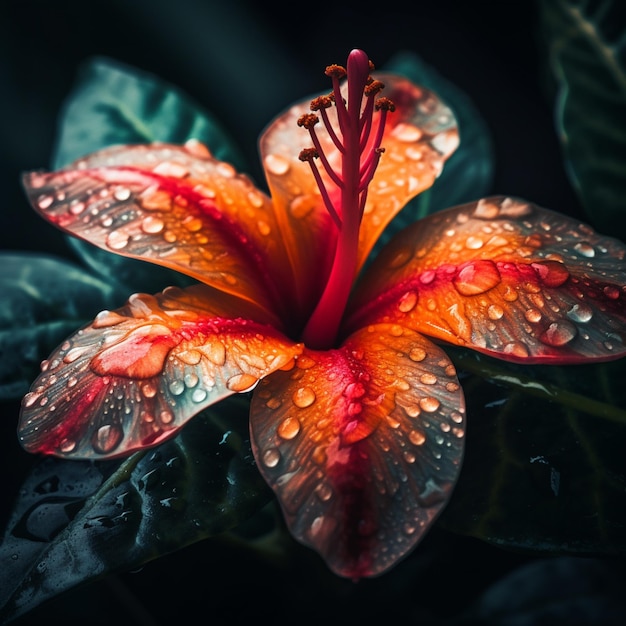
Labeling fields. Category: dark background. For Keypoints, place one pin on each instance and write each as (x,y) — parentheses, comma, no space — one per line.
(245,61)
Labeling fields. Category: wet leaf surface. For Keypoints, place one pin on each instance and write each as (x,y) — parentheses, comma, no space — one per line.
(586,46)
(77,521)
(43,300)
(544,469)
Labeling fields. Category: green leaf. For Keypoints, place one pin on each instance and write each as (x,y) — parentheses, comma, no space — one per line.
(468,173)
(116,104)
(77,521)
(43,301)
(586,44)
(544,468)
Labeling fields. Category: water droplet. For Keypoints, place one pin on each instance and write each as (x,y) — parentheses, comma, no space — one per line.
(117,239)
(199,395)
(289,428)
(152,225)
(241,383)
(585,249)
(169,168)
(276,164)
(476,277)
(75,353)
(429,404)
(486,210)
(428,379)
(121,194)
(149,390)
(44,202)
(580,312)
(105,319)
(323,492)
(417,354)
(533,315)
(495,312)
(67,445)
(407,133)
(303,397)
(191,380)
(417,437)
(400,258)
(559,333)
(552,273)
(407,301)
(176,387)
(271,457)
(107,438)
(474,243)
(611,291)
(264,227)
(166,416)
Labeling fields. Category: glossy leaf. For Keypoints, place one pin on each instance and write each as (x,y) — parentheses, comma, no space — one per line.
(586,48)
(136,375)
(468,173)
(112,103)
(504,277)
(43,300)
(78,521)
(362,445)
(544,467)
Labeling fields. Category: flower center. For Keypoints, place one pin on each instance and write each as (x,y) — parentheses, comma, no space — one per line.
(357,138)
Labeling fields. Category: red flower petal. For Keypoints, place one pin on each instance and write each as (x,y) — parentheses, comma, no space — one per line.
(134,376)
(362,445)
(504,277)
(174,206)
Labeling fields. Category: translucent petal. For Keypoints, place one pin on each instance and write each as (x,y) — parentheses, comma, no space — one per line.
(134,376)
(504,277)
(362,445)
(419,136)
(171,205)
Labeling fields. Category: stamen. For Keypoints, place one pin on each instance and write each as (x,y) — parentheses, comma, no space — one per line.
(360,155)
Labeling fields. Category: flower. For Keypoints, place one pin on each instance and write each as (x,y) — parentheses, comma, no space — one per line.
(357,418)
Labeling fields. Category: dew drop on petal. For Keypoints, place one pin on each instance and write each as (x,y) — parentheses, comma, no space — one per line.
(117,239)
(152,225)
(552,273)
(407,302)
(121,194)
(417,354)
(495,312)
(429,404)
(516,348)
(107,438)
(242,382)
(580,312)
(67,445)
(271,457)
(303,397)
(476,277)
(176,387)
(199,395)
(276,164)
(289,428)
(559,333)
(585,249)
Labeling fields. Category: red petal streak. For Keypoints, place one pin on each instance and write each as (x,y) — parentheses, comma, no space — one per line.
(362,445)
(506,278)
(167,205)
(134,376)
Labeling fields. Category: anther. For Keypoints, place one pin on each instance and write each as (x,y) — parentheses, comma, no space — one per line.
(308,120)
(308,154)
(321,102)
(385,104)
(336,71)
(374,87)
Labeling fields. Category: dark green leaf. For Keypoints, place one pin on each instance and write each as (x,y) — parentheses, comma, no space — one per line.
(544,468)
(586,45)
(43,301)
(468,173)
(77,521)
(115,104)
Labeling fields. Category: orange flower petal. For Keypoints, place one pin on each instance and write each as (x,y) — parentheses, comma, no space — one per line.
(173,206)
(134,376)
(504,277)
(419,136)
(362,445)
